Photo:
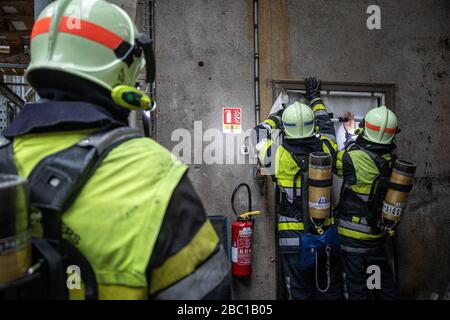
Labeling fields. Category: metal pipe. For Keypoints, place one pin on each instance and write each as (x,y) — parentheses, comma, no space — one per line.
(345,94)
(256,61)
(18,84)
(40,5)
(12,66)
(149,21)
(341,119)
(11,95)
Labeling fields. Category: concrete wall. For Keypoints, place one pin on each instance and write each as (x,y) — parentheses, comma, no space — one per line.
(327,39)
(204,52)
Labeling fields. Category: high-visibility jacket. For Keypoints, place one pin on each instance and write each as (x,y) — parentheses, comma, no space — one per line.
(279,160)
(359,217)
(125,222)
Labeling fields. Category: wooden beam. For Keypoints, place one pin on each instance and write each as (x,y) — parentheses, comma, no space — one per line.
(16,17)
(14,3)
(12,34)
(17,59)
(22,7)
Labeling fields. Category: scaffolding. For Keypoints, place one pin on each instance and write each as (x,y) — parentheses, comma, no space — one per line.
(13,94)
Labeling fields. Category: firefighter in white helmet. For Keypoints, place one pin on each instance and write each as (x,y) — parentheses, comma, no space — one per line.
(136,219)
(365,163)
(304,129)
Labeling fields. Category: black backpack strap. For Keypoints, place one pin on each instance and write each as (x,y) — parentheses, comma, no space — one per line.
(379,185)
(382,165)
(7,164)
(56,181)
(302,175)
(330,147)
(54,184)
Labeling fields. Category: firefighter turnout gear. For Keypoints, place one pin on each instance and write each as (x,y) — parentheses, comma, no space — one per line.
(134,216)
(365,166)
(135,244)
(287,162)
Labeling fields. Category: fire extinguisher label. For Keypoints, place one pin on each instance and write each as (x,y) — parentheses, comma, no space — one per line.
(245,247)
(245,232)
(234,254)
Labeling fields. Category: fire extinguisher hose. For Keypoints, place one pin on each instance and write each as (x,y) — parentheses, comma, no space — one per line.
(249,213)
(233,195)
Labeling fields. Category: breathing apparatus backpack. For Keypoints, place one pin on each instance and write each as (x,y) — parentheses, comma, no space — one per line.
(379,186)
(380,183)
(32,268)
(390,190)
(315,174)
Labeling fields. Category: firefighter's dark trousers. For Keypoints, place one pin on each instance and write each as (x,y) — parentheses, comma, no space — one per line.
(368,276)
(301,282)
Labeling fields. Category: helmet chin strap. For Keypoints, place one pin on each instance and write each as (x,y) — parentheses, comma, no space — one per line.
(130,97)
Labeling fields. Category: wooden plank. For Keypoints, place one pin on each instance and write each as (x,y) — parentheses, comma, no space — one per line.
(22,7)
(14,3)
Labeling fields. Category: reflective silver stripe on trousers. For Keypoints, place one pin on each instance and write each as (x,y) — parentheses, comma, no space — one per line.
(358,250)
(286,219)
(290,193)
(363,221)
(356,226)
(363,197)
(199,283)
(287,242)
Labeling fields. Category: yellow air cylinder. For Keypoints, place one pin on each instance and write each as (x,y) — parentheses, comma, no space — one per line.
(401,181)
(15,233)
(319,186)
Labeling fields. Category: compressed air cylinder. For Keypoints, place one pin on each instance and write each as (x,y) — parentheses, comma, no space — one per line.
(15,233)
(401,181)
(319,186)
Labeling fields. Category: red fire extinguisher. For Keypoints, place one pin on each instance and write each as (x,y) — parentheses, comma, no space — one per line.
(242,237)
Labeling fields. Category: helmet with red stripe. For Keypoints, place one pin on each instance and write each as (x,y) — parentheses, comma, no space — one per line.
(88,39)
(380,125)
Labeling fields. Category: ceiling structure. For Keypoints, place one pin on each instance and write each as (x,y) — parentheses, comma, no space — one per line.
(16,22)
